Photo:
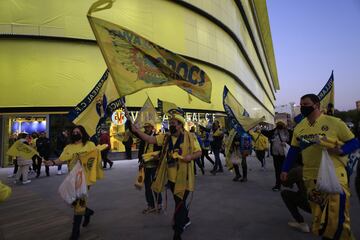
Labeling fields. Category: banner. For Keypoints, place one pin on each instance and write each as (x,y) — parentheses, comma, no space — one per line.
(327,99)
(238,116)
(136,63)
(99,104)
(147,114)
(20,149)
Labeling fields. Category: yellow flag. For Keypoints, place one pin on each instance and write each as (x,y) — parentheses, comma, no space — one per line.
(238,116)
(20,149)
(93,110)
(147,114)
(91,162)
(136,63)
(166,107)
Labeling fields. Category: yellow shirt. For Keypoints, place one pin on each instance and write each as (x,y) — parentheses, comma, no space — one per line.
(172,171)
(330,127)
(71,149)
(260,142)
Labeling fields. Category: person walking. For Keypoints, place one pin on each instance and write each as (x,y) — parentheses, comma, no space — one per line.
(61,141)
(128,140)
(179,150)
(105,139)
(330,210)
(150,165)
(79,144)
(43,147)
(216,145)
(260,144)
(24,163)
(205,146)
(278,137)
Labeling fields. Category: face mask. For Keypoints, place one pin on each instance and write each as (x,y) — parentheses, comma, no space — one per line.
(306,110)
(75,137)
(172,129)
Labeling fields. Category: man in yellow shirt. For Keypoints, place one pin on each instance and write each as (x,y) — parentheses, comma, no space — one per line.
(179,149)
(260,143)
(330,211)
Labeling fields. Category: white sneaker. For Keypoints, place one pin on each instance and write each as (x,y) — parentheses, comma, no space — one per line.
(11,176)
(187,225)
(59,172)
(26,182)
(303,227)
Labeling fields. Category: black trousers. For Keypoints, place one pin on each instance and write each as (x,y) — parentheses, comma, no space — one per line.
(149,193)
(218,164)
(16,167)
(293,201)
(181,213)
(205,154)
(243,166)
(104,157)
(38,166)
(278,162)
(199,164)
(128,151)
(260,155)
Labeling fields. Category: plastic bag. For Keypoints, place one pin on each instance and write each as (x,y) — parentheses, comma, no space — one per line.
(327,180)
(139,181)
(5,192)
(286,149)
(74,185)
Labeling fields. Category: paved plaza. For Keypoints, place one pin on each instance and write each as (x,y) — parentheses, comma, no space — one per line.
(220,209)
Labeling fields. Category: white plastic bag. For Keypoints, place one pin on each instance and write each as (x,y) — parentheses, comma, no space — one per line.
(327,180)
(74,185)
(286,149)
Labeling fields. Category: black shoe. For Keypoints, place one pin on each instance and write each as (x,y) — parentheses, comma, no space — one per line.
(213,172)
(236,178)
(220,170)
(177,236)
(244,179)
(75,234)
(88,214)
(111,164)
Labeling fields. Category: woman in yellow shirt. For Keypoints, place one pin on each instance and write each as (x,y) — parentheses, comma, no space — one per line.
(80,143)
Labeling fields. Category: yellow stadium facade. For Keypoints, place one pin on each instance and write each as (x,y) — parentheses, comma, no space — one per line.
(50,61)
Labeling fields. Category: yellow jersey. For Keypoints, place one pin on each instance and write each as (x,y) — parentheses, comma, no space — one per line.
(330,127)
(172,171)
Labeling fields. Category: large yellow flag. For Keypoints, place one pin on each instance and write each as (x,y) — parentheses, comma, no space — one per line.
(93,110)
(20,149)
(147,114)
(238,116)
(136,63)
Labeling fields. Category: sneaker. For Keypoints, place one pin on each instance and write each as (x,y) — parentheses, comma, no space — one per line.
(149,210)
(187,225)
(220,170)
(276,189)
(26,182)
(243,180)
(303,227)
(59,172)
(11,176)
(213,172)
(111,164)
(236,178)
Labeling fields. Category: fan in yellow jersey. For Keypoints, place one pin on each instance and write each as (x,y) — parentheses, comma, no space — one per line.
(260,143)
(81,148)
(179,149)
(331,218)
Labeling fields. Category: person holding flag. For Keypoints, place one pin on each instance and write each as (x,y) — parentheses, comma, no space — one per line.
(316,133)
(176,170)
(25,156)
(149,160)
(83,150)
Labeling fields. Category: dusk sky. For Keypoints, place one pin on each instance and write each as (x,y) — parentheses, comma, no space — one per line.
(310,39)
